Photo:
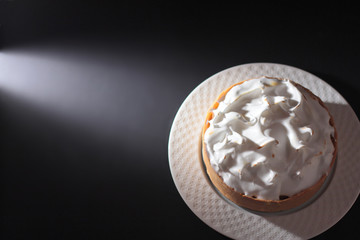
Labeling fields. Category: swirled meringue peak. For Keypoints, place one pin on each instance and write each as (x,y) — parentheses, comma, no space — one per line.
(269,137)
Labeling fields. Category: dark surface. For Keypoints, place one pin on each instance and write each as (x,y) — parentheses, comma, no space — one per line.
(88,93)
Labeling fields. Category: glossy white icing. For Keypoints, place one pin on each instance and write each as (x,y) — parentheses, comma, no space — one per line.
(269,137)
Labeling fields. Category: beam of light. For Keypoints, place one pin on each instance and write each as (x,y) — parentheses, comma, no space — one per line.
(100,92)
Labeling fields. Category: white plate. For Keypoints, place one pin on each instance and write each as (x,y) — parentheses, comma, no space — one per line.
(190,179)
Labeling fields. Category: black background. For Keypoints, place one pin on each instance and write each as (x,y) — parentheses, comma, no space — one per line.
(61,181)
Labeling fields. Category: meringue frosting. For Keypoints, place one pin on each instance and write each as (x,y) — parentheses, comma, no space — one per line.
(269,137)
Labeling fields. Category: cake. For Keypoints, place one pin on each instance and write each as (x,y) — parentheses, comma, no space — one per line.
(268,144)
